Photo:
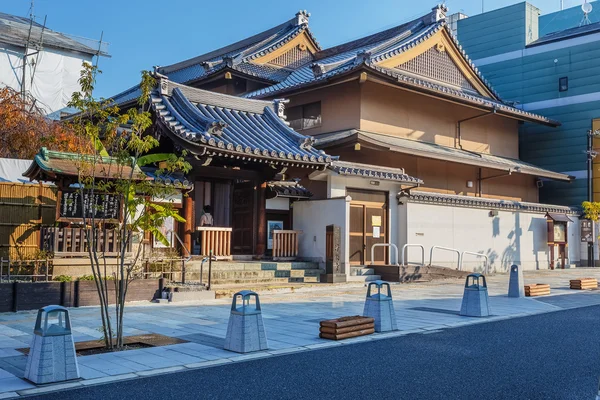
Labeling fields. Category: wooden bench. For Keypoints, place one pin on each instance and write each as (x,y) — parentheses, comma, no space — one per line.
(537,289)
(583,283)
(346,327)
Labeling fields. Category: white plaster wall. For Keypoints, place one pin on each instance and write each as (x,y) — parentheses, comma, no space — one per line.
(55,78)
(508,238)
(311,217)
(278,203)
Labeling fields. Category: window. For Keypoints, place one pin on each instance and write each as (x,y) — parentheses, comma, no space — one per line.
(306,116)
(563,84)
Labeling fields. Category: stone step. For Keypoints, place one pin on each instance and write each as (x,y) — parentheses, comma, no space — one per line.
(360,271)
(256,274)
(249,281)
(363,278)
(254,265)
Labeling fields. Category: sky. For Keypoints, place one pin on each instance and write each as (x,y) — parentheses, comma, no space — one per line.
(142,34)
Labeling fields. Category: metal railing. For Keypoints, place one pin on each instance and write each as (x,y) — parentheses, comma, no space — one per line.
(413,245)
(446,249)
(7,270)
(183,260)
(485,264)
(392,245)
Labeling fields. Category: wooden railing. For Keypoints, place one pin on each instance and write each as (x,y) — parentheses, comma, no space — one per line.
(216,239)
(285,244)
(72,242)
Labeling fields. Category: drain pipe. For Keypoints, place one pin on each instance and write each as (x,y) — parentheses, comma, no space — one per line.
(458,134)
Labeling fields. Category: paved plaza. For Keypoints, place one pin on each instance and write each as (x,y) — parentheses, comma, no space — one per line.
(291,322)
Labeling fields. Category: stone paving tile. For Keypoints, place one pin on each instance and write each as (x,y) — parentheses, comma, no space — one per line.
(13,384)
(89,373)
(291,321)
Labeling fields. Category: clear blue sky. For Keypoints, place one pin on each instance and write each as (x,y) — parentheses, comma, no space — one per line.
(146,33)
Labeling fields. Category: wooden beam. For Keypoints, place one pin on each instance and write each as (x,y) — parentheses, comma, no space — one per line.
(261,229)
(188,225)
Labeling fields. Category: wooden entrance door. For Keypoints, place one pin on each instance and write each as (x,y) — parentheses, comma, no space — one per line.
(368,225)
(243,218)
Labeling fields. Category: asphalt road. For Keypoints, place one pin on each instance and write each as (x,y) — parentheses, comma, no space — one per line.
(549,356)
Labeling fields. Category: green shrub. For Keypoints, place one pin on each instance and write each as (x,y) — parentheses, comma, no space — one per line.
(63,278)
(91,278)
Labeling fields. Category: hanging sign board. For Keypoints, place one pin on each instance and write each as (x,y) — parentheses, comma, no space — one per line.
(587,231)
(101,206)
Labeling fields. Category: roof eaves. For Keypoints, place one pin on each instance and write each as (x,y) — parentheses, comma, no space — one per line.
(226,49)
(444,91)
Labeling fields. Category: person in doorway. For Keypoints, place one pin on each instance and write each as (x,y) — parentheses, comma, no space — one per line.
(206,219)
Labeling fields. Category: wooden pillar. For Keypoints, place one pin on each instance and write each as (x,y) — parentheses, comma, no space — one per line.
(188,225)
(261,220)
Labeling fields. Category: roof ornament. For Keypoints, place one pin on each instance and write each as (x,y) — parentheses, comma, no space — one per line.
(362,57)
(302,17)
(209,64)
(280,109)
(163,86)
(216,128)
(437,14)
(307,143)
(230,61)
(317,69)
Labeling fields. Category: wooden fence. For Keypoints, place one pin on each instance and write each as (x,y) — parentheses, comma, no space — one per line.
(24,209)
(216,239)
(72,242)
(285,244)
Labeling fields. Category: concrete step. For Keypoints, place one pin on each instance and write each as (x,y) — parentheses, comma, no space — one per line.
(360,271)
(363,278)
(254,265)
(257,274)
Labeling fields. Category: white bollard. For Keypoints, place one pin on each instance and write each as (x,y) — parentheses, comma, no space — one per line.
(380,307)
(516,286)
(245,331)
(475,301)
(52,353)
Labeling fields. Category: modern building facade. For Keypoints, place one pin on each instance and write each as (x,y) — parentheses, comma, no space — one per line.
(545,64)
(41,63)
(428,150)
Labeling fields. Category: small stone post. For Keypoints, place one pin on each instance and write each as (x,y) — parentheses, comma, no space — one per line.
(475,299)
(246,331)
(52,353)
(380,307)
(516,285)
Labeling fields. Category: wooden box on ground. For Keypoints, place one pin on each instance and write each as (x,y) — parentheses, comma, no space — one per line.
(538,289)
(347,327)
(583,283)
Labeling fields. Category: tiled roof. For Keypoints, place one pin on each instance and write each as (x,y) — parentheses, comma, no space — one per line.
(47,165)
(289,189)
(15,30)
(228,126)
(366,52)
(373,171)
(235,57)
(485,203)
(436,151)
(238,56)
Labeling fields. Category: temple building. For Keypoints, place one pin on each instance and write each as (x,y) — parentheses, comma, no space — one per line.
(395,138)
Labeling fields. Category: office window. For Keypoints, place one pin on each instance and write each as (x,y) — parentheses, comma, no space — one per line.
(563,84)
(305,116)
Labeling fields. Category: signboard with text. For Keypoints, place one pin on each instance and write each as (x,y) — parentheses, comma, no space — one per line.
(587,231)
(100,206)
